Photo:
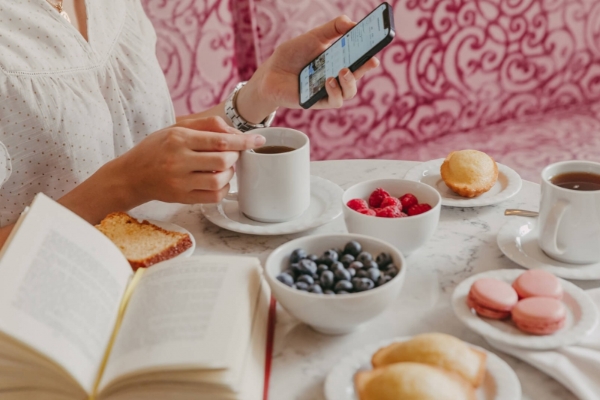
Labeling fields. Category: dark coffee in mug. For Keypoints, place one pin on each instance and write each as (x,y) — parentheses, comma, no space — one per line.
(274,149)
(584,181)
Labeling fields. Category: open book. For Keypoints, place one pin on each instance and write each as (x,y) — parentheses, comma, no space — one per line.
(76,323)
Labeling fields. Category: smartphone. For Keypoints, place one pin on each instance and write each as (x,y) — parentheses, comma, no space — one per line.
(352,50)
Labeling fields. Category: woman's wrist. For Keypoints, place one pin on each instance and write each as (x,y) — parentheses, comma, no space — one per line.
(252,104)
(108,190)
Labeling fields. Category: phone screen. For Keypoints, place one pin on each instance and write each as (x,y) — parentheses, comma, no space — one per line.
(343,53)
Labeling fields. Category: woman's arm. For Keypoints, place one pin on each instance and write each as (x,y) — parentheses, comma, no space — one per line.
(275,83)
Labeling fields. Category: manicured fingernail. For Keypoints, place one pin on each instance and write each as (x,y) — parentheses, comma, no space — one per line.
(259,140)
(332,82)
(347,74)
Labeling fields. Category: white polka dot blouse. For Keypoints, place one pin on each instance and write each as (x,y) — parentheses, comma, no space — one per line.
(67,105)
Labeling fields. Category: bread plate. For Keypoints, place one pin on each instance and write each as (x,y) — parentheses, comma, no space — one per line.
(500,382)
(508,184)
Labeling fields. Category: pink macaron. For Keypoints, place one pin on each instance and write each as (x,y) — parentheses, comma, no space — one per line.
(539,315)
(538,283)
(492,298)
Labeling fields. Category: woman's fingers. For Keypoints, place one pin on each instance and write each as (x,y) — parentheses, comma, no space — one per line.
(205,196)
(201,161)
(213,141)
(348,84)
(333,29)
(209,181)
(335,97)
(372,63)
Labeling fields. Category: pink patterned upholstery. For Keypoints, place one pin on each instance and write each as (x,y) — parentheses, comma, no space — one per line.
(496,75)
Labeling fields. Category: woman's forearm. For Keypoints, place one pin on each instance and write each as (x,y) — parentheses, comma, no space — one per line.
(107,190)
(250,105)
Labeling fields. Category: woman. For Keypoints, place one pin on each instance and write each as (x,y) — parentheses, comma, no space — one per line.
(86,117)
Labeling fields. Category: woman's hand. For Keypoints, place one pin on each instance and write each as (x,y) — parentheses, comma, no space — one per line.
(190,162)
(275,83)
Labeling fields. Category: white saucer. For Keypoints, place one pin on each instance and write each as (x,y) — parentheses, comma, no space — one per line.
(582,316)
(508,184)
(518,240)
(500,383)
(176,228)
(325,206)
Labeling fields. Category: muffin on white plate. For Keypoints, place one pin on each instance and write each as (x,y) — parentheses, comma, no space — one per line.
(469,173)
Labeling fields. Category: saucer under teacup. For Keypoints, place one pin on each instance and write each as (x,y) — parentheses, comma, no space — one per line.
(324,207)
(518,240)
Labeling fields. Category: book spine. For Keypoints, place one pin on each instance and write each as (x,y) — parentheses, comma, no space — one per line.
(270,341)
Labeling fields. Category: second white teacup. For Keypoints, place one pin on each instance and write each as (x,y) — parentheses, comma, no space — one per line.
(275,187)
(569,220)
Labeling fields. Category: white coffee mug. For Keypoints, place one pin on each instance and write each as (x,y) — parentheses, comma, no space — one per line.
(569,220)
(274,187)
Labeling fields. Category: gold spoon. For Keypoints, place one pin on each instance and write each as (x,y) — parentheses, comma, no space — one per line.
(520,213)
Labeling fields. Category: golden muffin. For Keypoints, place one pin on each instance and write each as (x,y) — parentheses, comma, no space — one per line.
(469,173)
(411,381)
(439,350)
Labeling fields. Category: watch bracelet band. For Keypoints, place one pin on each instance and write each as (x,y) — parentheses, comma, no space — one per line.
(236,119)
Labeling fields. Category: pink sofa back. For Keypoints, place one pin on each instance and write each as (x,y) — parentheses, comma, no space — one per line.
(455,65)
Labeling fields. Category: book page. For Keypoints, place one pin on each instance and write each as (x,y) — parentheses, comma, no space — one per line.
(61,282)
(187,313)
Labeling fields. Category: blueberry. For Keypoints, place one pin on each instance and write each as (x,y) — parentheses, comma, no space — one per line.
(336,266)
(321,268)
(315,276)
(302,286)
(296,270)
(364,257)
(307,267)
(329,292)
(352,272)
(356,265)
(391,271)
(329,257)
(290,272)
(364,284)
(339,252)
(312,257)
(306,279)
(286,279)
(343,285)
(371,264)
(316,289)
(355,281)
(297,255)
(342,292)
(347,259)
(342,275)
(327,280)
(362,273)
(383,259)
(383,279)
(373,274)
(353,248)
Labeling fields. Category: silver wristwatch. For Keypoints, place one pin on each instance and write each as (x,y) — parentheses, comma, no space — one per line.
(236,119)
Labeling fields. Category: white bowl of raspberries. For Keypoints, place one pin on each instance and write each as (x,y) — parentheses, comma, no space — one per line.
(403,213)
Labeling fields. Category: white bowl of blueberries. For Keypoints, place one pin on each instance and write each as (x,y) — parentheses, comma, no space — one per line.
(336,282)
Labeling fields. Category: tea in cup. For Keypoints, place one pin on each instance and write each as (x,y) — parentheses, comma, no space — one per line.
(274,180)
(569,220)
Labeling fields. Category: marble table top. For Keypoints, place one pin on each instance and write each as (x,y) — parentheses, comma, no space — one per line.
(464,244)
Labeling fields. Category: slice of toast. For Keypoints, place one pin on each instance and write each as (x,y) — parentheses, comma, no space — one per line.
(143,243)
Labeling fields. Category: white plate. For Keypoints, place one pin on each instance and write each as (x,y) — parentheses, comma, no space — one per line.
(508,184)
(325,206)
(582,316)
(176,228)
(518,240)
(500,383)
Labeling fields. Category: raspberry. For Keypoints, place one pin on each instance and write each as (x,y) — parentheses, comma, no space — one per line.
(377,197)
(408,200)
(418,209)
(366,211)
(389,212)
(357,204)
(391,201)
